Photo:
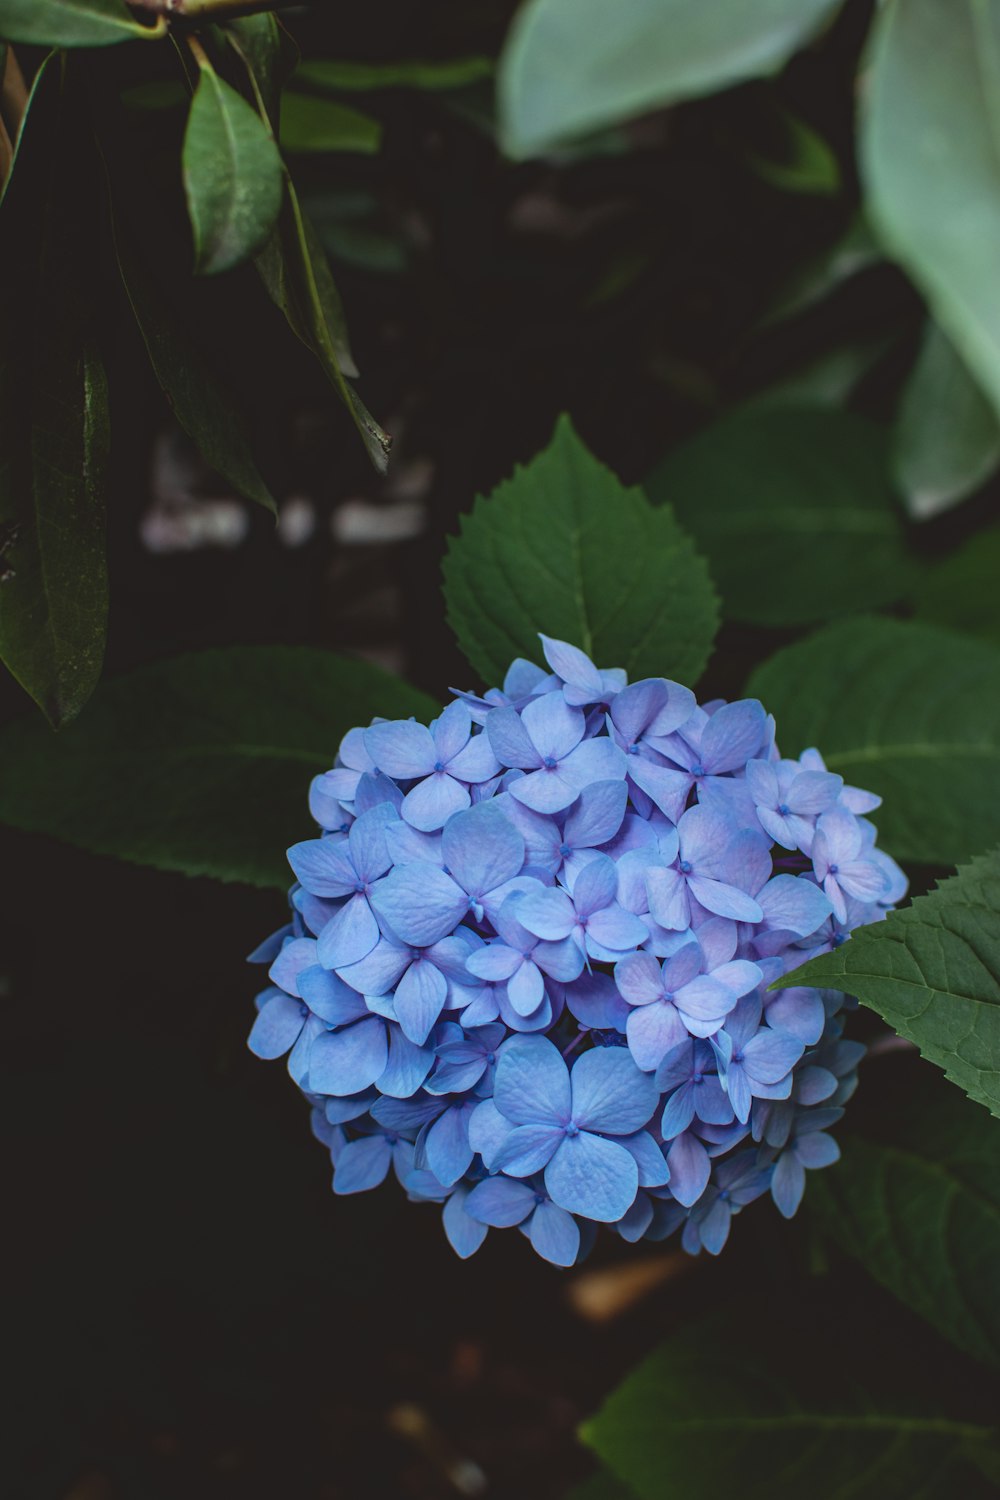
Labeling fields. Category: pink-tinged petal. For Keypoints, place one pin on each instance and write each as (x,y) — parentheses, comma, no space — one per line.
(402,748)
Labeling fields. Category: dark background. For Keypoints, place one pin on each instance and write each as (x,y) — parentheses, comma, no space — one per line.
(193,1312)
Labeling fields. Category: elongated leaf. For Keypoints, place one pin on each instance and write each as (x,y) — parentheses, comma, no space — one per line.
(794,511)
(258,42)
(564,548)
(919,1206)
(961,590)
(198,395)
(910,712)
(232,175)
(199,764)
(932,971)
(947,437)
(53,406)
(72,23)
(312,124)
(344,77)
(930,156)
(572,66)
(724,1409)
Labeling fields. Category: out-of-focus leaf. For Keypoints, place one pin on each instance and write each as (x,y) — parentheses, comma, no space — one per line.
(805,164)
(932,971)
(601,1486)
(199,764)
(309,123)
(856,251)
(563,547)
(829,380)
(947,437)
(364,77)
(961,591)
(723,1409)
(232,175)
(930,157)
(198,395)
(919,1206)
(794,511)
(903,709)
(54,431)
(258,41)
(572,66)
(73,23)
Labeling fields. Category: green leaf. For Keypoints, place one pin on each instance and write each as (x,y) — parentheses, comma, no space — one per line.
(947,436)
(311,124)
(930,157)
(199,397)
(724,1409)
(794,511)
(364,77)
(906,710)
(199,764)
(564,548)
(258,42)
(817,279)
(803,164)
(232,175)
(932,971)
(54,432)
(961,590)
(572,66)
(73,23)
(919,1207)
(601,1486)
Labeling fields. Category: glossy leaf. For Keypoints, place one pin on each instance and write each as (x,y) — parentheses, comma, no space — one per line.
(72,23)
(410,73)
(960,591)
(947,437)
(794,510)
(919,1207)
(232,175)
(309,124)
(723,1409)
(200,764)
(930,156)
(54,431)
(572,66)
(932,970)
(564,548)
(198,394)
(910,712)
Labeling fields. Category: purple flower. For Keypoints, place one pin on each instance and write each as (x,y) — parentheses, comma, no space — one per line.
(717,863)
(677,999)
(503,1202)
(754,1061)
(789,800)
(546,741)
(589,915)
(841,863)
(346,869)
(444,760)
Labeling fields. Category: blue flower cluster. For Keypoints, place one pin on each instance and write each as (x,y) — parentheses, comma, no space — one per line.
(530,957)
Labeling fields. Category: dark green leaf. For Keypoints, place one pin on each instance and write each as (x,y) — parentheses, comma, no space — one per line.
(571,66)
(855,251)
(564,548)
(932,971)
(723,1409)
(200,764)
(930,154)
(804,164)
(232,175)
(794,511)
(456,73)
(258,41)
(947,438)
(920,1209)
(309,124)
(601,1486)
(72,23)
(961,590)
(200,399)
(54,431)
(908,711)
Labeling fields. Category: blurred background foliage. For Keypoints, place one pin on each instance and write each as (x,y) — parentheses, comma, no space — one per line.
(752,251)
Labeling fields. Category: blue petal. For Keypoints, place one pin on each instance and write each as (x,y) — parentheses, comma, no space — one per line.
(594,1001)
(295,956)
(482,849)
(488,1131)
(350,935)
(419,903)
(532,1083)
(449,1154)
(362,1165)
(345,1062)
(369,850)
(465,1235)
(407,1067)
(788,1184)
(678,1112)
(689,1169)
(597,815)
(594,1177)
(329,998)
(323,866)
(403,748)
(732,736)
(419,999)
(500,1202)
(277,1027)
(714,1227)
(527,1149)
(430,804)
(634,1224)
(610,1094)
(380,971)
(554,1234)
(817,1150)
(649,1158)
(510,741)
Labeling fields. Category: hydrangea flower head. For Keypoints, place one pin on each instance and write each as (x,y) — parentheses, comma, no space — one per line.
(530,963)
